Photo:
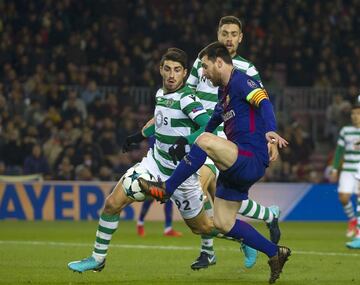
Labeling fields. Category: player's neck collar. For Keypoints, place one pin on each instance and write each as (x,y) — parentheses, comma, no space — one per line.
(181,86)
(226,87)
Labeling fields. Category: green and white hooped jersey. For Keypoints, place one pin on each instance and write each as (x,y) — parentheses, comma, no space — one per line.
(348,138)
(174,118)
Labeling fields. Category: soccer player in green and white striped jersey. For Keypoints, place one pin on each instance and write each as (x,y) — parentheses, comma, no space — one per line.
(178,113)
(230,34)
(348,150)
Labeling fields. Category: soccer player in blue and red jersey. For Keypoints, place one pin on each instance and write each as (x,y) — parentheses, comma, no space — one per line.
(249,124)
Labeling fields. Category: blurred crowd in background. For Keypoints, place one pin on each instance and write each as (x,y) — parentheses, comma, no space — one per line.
(67,67)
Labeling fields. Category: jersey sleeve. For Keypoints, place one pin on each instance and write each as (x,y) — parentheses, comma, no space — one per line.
(191,106)
(193,79)
(340,149)
(252,72)
(252,91)
(339,153)
(216,119)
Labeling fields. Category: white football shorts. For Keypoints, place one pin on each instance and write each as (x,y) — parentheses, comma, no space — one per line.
(188,197)
(348,183)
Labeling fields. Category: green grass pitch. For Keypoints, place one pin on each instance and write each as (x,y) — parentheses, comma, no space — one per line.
(38,253)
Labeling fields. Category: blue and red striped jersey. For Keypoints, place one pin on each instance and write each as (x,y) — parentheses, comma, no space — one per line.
(241,107)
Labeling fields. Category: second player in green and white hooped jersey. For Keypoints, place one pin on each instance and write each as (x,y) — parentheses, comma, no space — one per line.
(174,117)
(204,88)
(208,94)
(349,140)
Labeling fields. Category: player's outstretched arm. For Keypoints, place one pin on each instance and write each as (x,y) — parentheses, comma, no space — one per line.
(147,131)
(149,124)
(338,156)
(268,115)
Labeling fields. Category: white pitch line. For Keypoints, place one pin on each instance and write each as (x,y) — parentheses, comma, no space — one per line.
(158,247)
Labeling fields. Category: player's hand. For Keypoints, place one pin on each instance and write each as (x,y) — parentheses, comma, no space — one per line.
(177,151)
(273,151)
(131,141)
(274,138)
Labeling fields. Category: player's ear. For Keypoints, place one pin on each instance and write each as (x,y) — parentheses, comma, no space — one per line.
(219,62)
(241,37)
(161,69)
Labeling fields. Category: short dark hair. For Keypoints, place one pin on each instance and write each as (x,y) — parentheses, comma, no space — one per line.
(230,20)
(175,54)
(214,50)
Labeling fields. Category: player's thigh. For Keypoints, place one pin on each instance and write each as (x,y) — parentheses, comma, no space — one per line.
(117,200)
(208,180)
(212,189)
(201,224)
(223,152)
(225,214)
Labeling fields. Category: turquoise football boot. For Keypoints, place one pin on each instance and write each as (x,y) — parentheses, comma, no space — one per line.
(86,264)
(250,255)
(354,244)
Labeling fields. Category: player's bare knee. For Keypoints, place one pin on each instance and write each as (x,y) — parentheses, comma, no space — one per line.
(204,141)
(202,229)
(201,225)
(207,228)
(196,231)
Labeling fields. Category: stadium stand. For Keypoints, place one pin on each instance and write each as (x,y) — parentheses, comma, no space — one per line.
(77,77)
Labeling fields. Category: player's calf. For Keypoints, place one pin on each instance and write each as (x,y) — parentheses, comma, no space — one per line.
(116,201)
(111,207)
(201,224)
